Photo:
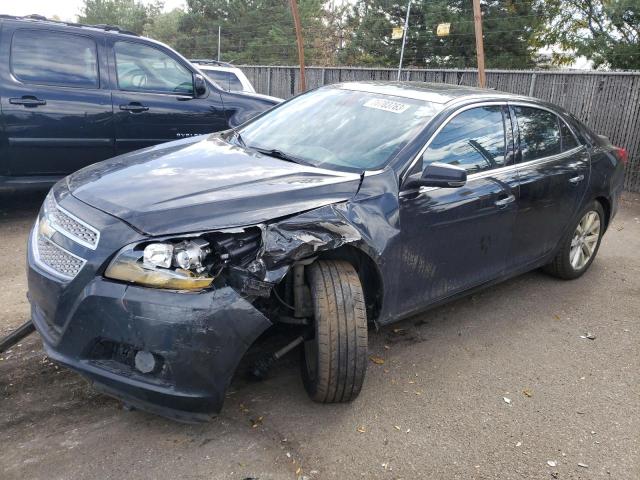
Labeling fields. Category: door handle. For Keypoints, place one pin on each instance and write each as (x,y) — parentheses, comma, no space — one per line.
(27,101)
(134,108)
(576,180)
(503,202)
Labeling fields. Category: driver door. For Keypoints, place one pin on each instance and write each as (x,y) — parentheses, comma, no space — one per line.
(153,98)
(454,239)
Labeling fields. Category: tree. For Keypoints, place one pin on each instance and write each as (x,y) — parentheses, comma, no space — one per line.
(253,31)
(511,29)
(129,15)
(165,27)
(606,32)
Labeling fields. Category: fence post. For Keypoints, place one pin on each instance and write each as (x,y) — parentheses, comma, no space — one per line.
(324,75)
(268,80)
(532,85)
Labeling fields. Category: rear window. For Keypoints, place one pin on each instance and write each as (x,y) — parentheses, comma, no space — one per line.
(539,133)
(52,58)
(226,80)
(568,140)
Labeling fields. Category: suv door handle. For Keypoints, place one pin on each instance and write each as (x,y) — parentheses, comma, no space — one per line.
(503,202)
(134,108)
(576,180)
(27,101)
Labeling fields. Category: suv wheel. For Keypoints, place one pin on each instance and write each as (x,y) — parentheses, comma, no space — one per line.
(579,249)
(335,360)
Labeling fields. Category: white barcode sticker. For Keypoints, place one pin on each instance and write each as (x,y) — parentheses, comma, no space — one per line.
(386,105)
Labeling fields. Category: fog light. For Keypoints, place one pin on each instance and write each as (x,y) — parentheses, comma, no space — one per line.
(145,361)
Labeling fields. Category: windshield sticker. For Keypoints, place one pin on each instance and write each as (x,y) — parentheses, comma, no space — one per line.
(386,105)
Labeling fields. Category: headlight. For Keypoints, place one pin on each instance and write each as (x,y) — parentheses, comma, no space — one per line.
(173,265)
(184,263)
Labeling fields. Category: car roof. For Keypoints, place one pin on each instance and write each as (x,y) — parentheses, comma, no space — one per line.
(210,62)
(41,20)
(218,68)
(430,92)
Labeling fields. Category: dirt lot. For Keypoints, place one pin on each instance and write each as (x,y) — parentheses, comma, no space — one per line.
(436,409)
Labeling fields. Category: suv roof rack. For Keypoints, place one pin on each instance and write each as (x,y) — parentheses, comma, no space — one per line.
(208,61)
(41,18)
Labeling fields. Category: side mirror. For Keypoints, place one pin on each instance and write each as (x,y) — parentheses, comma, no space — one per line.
(438,175)
(199,85)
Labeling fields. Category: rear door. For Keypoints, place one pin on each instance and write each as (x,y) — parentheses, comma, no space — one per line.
(456,238)
(153,97)
(57,115)
(553,168)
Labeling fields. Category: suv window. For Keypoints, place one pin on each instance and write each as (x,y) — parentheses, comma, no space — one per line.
(539,133)
(147,69)
(473,140)
(226,80)
(52,58)
(568,140)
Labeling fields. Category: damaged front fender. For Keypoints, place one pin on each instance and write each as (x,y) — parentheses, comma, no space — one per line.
(305,235)
(369,222)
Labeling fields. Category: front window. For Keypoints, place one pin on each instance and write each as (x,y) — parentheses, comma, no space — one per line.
(147,69)
(473,140)
(341,129)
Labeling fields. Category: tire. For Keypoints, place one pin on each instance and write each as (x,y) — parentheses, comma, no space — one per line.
(335,361)
(561,266)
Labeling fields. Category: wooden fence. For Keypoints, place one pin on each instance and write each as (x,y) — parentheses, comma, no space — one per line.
(609,102)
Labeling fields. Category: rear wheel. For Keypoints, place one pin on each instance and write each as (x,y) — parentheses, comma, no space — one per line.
(579,249)
(335,360)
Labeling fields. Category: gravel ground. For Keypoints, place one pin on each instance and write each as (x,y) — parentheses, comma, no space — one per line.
(496,385)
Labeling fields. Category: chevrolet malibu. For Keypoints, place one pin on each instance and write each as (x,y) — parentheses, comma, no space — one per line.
(359,203)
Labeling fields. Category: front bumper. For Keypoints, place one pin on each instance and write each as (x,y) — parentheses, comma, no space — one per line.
(96,326)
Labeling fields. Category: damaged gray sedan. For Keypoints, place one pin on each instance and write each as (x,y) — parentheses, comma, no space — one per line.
(153,273)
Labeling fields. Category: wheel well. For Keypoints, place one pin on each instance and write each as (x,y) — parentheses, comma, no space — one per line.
(606,206)
(368,272)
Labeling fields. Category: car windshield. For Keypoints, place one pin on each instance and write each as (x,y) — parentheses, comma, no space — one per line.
(340,129)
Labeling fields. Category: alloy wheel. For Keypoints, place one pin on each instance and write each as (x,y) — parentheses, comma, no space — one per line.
(585,240)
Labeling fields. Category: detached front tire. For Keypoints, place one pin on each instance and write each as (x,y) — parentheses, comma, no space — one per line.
(335,360)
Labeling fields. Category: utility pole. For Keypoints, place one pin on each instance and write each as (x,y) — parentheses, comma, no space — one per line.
(477,21)
(296,21)
(404,37)
(219,38)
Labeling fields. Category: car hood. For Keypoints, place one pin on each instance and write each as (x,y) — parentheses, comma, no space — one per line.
(261,96)
(205,183)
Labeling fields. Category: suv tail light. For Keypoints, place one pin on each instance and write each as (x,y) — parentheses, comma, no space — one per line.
(622,154)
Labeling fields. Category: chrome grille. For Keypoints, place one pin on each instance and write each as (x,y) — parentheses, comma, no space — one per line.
(57,259)
(70,226)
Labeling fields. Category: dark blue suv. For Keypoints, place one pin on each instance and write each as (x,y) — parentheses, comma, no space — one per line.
(72,95)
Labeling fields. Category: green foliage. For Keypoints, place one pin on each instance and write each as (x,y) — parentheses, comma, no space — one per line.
(605,31)
(510,29)
(359,33)
(127,14)
(253,31)
(165,27)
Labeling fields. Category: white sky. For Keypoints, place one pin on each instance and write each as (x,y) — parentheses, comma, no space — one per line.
(65,9)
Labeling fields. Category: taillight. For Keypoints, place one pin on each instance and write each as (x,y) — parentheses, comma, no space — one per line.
(622,154)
